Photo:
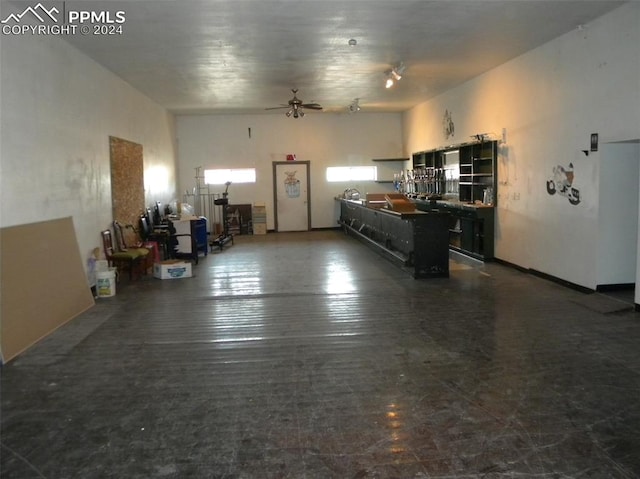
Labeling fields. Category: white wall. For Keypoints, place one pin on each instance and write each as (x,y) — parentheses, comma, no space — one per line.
(617,232)
(58,110)
(324,139)
(549,100)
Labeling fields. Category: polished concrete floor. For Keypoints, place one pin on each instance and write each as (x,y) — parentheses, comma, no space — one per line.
(307,355)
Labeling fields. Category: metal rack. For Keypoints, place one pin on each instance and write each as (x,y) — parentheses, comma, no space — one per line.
(203,202)
(213,207)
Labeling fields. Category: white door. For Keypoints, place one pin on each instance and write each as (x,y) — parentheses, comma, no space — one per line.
(291,195)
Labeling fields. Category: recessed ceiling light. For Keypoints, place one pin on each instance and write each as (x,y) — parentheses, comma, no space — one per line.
(353,42)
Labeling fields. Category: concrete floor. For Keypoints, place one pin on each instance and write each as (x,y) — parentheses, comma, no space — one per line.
(307,355)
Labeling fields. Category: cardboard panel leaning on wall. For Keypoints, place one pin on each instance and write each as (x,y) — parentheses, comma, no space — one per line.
(43,282)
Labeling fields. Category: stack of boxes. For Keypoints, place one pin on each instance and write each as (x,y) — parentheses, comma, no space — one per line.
(259,219)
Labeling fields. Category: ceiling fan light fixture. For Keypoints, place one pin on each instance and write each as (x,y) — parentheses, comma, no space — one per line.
(295,106)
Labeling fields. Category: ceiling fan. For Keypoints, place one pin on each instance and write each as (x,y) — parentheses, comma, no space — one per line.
(296,106)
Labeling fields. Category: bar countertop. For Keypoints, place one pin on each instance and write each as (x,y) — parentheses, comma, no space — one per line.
(402,214)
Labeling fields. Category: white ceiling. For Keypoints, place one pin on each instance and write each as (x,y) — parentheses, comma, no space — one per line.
(246,55)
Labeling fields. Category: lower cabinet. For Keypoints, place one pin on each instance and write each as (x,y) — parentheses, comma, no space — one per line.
(416,240)
(470,227)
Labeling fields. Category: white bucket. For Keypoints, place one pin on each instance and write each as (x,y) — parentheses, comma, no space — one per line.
(102,265)
(106,283)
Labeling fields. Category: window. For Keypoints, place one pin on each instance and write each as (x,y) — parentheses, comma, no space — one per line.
(221,176)
(351,173)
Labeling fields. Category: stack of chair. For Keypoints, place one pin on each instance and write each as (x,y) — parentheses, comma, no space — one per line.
(134,260)
(129,240)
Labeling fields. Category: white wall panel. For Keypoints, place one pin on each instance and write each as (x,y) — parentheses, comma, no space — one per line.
(58,110)
(324,139)
(549,101)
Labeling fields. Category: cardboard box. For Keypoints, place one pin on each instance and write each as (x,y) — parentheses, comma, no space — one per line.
(400,203)
(172,269)
(259,229)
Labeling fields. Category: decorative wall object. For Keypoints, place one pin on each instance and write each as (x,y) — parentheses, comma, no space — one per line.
(448,128)
(292,184)
(561,182)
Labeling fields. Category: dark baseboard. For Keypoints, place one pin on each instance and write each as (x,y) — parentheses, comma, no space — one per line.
(563,282)
(327,228)
(603,288)
(546,276)
(511,265)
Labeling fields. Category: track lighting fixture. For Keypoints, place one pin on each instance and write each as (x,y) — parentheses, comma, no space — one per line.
(394,75)
(355,106)
(389,82)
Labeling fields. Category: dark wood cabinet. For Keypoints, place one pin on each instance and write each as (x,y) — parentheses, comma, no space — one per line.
(416,240)
(471,227)
(477,171)
(468,195)
(460,180)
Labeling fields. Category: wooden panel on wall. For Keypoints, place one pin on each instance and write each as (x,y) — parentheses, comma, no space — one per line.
(43,282)
(127,180)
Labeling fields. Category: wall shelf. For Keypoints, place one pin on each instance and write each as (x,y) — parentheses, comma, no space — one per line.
(390,159)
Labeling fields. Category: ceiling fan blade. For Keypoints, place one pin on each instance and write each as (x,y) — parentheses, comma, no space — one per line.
(312,106)
(277,107)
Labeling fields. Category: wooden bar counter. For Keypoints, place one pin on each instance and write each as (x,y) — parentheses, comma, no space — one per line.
(417,239)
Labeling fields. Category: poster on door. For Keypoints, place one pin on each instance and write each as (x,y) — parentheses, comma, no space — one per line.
(291,184)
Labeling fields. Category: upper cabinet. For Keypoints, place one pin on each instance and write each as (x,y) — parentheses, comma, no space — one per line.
(478,172)
(465,172)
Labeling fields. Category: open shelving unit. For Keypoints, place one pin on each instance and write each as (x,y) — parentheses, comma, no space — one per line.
(471,225)
(477,170)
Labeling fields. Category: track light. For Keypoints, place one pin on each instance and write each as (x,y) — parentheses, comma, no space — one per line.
(389,82)
(355,106)
(394,75)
